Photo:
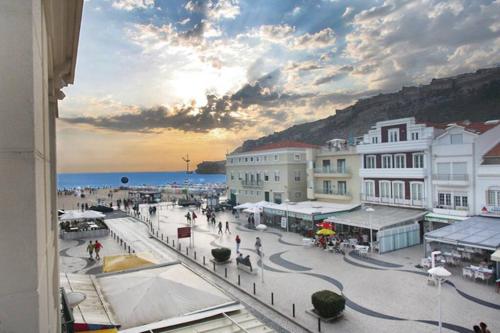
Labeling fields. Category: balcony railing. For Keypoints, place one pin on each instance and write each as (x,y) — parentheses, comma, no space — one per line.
(331,170)
(450,207)
(451,176)
(252,183)
(333,192)
(393,201)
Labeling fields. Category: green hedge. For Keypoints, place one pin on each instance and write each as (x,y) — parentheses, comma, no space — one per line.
(221,254)
(327,303)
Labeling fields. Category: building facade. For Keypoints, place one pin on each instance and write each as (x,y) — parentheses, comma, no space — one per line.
(37,59)
(395,158)
(333,173)
(274,173)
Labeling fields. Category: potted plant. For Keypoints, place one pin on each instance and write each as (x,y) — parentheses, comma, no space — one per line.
(328,304)
(221,254)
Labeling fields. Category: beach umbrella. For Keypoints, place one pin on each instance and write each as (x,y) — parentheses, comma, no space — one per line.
(324,225)
(261,227)
(325,232)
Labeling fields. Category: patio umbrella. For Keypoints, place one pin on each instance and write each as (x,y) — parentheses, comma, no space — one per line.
(324,225)
(325,232)
(261,227)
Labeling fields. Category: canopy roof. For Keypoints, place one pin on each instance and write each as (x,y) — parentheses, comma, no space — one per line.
(72,215)
(383,217)
(496,255)
(124,262)
(309,209)
(477,231)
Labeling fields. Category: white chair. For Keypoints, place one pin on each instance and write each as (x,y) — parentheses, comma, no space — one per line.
(425,262)
(467,272)
(363,250)
(479,275)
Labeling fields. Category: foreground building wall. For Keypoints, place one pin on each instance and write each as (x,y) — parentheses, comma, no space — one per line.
(37,58)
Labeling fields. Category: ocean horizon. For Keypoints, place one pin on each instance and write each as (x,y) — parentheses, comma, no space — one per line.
(113,179)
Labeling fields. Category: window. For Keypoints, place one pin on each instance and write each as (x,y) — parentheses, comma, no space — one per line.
(251,159)
(370,188)
(341,167)
(342,187)
(251,192)
(374,139)
(385,189)
(231,160)
(443,170)
(400,161)
(398,190)
(370,162)
(393,134)
(276,176)
(239,159)
(239,176)
(265,157)
(417,191)
(277,198)
(459,170)
(414,136)
(460,201)
(386,161)
(326,165)
(456,139)
(327,187)
(257,159)
(266,176)
(444,199)
(257,193)
(232,176)
(298,195)
(276,157)
(418,160)
(296,175)
(246,159)
(493,198)
(297,157)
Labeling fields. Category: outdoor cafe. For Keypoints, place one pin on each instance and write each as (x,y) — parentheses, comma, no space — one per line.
(470,247)
(87,224)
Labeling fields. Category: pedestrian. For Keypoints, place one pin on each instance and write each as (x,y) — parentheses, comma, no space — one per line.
(227,228)
(258,246)
(194,217)
(476,329)
(213,219)
(90,250)
(484,328)
(97,246)
(188,218)
(238,242)
(220,228)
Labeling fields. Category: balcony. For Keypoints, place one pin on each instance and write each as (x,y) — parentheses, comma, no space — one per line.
(450,210)
(393,201)
(398,173)
(330,172)
(333,195)
(450,179)
(252,183)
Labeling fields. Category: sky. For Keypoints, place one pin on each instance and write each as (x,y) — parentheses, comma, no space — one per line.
(156,79)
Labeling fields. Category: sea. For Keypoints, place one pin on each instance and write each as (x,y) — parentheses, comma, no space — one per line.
(114,179)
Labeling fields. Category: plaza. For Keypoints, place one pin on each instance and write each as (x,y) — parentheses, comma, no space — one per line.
(383,293)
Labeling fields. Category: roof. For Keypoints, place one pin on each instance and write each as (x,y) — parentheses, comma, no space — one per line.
(284,144)
(383,217)
(477,231)
(493,152)
(474,127)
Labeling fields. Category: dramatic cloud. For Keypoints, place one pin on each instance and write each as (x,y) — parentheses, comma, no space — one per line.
(133,4)
(334,75)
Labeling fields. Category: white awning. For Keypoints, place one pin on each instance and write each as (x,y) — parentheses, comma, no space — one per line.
(496,255)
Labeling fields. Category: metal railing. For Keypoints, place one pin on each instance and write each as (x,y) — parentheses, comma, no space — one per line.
(450,207)
(331,170)
(451,176)
(393,201)
(252,183)
(332,192)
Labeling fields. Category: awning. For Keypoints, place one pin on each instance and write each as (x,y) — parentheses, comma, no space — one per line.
(128,261)
(443,218)
(496,255)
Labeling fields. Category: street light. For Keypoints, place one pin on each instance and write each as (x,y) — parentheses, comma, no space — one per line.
(286,212)
(440,274)
(370,210)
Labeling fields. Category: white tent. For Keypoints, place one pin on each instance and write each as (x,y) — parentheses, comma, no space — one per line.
(246,205)
(73,215)
(92,214)
(70,215)
(496,255)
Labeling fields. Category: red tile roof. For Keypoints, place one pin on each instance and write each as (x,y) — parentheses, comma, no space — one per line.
(493,152)
(284,144)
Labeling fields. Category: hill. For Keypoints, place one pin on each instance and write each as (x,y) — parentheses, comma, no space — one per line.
(212,167)
(471,96)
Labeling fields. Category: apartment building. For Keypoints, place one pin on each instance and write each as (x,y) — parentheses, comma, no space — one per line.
(395,156)
(333,173)
(274,172)
(454,167)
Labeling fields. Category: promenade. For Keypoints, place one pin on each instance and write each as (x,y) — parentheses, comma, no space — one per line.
(384,293)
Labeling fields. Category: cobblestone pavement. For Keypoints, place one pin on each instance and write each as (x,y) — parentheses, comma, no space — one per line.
(384,293)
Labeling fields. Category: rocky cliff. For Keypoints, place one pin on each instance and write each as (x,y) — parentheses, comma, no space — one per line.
(211,167)
(472,96)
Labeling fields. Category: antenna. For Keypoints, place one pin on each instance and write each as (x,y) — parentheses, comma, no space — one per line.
(187,160)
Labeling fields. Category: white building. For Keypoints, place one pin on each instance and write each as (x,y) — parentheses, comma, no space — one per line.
(456,161)
(396,170)
(37,59)
(275,172)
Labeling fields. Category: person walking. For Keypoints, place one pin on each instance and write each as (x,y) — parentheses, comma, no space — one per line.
(220,228)
(97,247)
(194,217)
(484,328)
(238,242)
(227,228)
(258,246)
(90,250)
(188,218)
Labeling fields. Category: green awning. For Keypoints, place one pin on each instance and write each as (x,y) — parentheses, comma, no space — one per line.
(443,218)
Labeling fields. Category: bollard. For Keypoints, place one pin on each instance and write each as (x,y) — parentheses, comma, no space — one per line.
(157,233)
(162,236)
(319,324)
(187,251)
(173,243)
(239,280)
(225,272)
(254,288)
(167,239)
(214,266)
(194,255)
(293,310)
(129,249)
(203,260)
(272,298)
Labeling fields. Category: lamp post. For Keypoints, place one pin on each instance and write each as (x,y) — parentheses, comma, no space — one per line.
(286,212)
(440,274)
(370,210)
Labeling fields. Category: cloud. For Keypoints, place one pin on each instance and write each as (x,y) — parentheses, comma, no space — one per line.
(334,75)
(348,11)
(129,5)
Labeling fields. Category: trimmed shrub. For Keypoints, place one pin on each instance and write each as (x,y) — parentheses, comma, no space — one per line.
(327,303)
(221,254)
